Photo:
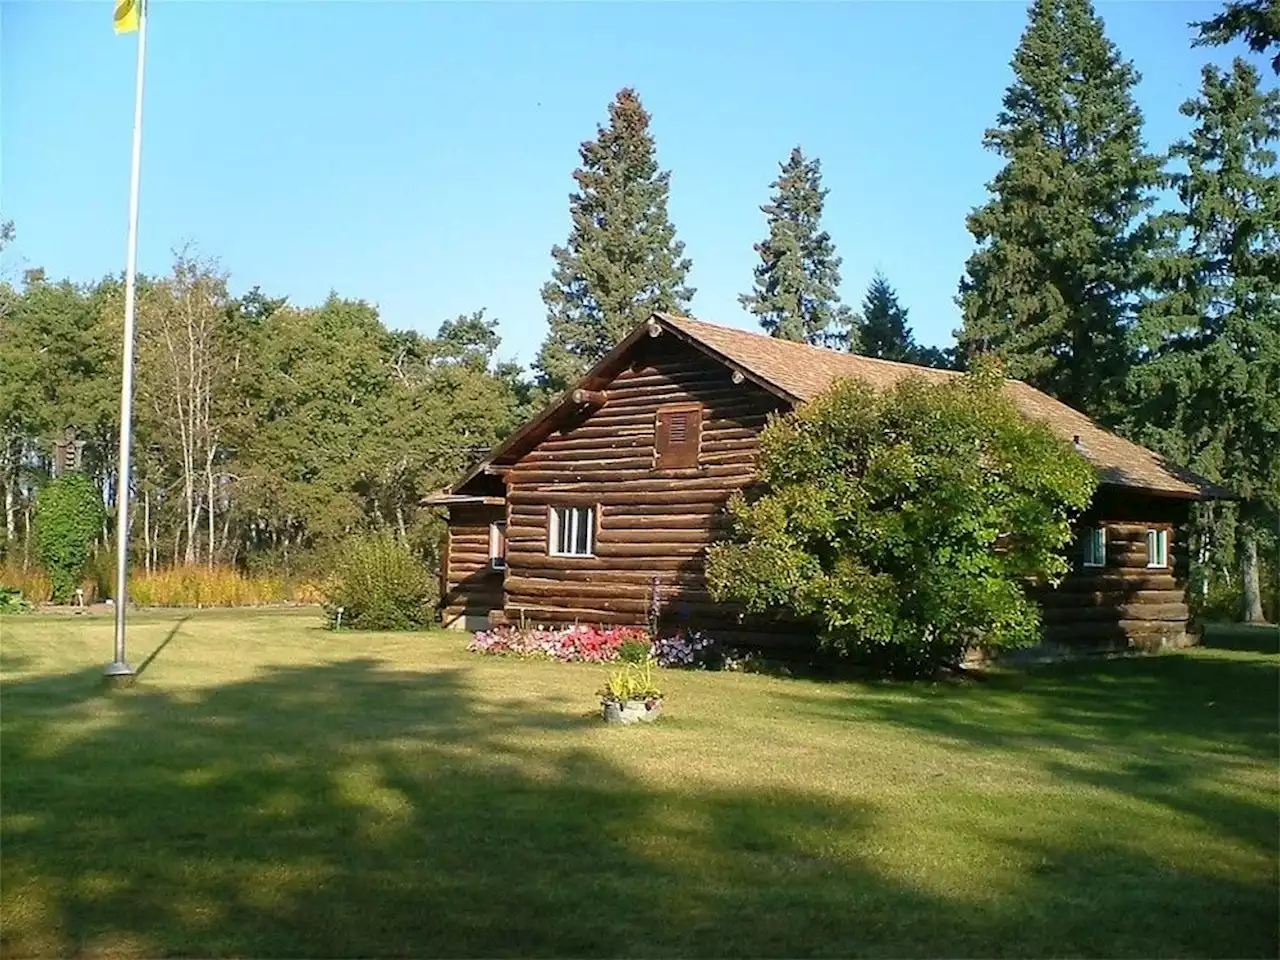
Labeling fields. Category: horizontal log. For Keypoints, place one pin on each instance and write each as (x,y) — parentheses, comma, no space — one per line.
(591,398)
(588,431)
(1110,598)
(537,613)
(536,468)
(747,461)
(1138,611)
(568,475)
(660,537)
(671,365)
(522,539)
(1125,631)
(519,563)
(556,445)
(708,396)
(718,443)
(688,378)
(585,498)
(1122,540)
(725,479)
(475,575)
(568,592)
(612,605)
(711,509)
(475,578)
(606,549)
(669,521)
(1138,579)
(1130,529)
(644,427)
(635,417)
(639,443)
(626,578)
(469,532)
(471,557)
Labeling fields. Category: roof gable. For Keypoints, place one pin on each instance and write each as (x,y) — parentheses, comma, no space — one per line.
(797,372)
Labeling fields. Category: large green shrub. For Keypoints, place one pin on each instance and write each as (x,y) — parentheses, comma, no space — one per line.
(905,524)
(68,521)
(378,584)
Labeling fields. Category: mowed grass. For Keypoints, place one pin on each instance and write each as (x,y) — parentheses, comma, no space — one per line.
(271,789)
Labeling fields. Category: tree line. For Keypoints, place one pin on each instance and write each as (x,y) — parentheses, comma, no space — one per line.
(261,429)
(265,427)
(1162,323)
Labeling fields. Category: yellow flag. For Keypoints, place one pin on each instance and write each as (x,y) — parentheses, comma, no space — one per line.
(126,15)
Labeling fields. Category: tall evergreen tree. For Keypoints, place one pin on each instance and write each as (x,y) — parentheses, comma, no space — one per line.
(884,330)
(622,261)
(1209,381)
(1051,286)
(1256,22)
(796,281)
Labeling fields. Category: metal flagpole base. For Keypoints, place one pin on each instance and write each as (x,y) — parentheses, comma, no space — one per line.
(119,674)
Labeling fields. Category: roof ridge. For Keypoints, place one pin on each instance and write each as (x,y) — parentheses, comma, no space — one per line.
(779,341)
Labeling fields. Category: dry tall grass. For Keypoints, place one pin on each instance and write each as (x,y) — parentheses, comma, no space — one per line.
(180,586)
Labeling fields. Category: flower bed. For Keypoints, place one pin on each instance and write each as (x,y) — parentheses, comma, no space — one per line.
(594,644)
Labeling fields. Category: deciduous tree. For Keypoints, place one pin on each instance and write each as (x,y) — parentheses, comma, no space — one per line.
(905,524)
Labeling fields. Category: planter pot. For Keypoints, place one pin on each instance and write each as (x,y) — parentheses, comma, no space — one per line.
(632,711)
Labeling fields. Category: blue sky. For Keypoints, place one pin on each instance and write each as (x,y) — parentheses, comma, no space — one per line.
(418,154)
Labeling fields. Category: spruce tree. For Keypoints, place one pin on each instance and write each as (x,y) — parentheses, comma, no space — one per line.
(1051,286)
(796,282)
(1208,387)
(622,261)
(884,330)
(1256,22)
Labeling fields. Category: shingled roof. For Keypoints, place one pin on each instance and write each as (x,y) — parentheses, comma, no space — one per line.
(803,372)
(797,372)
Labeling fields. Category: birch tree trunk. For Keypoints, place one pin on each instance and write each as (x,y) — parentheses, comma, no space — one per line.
(1250,584)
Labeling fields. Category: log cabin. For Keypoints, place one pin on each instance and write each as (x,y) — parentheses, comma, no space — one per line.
(600,509)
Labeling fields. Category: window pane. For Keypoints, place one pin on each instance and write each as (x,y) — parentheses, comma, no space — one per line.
(1095,551)
(1157,548)
(582,540)
(557,529)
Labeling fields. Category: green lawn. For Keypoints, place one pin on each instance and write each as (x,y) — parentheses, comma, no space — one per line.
(271,789)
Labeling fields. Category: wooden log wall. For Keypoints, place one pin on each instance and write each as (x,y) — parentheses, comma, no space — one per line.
(652,524)
(1124,603)
(472,588)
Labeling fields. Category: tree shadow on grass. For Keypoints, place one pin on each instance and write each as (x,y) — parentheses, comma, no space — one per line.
(351,810)
(1173,730)
(1248,637)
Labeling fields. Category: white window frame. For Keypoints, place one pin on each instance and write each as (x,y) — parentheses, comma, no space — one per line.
(497,536)
(576,517)
(1158,548)
(1090,560)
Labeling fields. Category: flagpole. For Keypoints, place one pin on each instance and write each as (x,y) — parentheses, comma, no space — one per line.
(119,672)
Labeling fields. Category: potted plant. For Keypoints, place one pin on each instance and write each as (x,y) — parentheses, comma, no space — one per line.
(630,695)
